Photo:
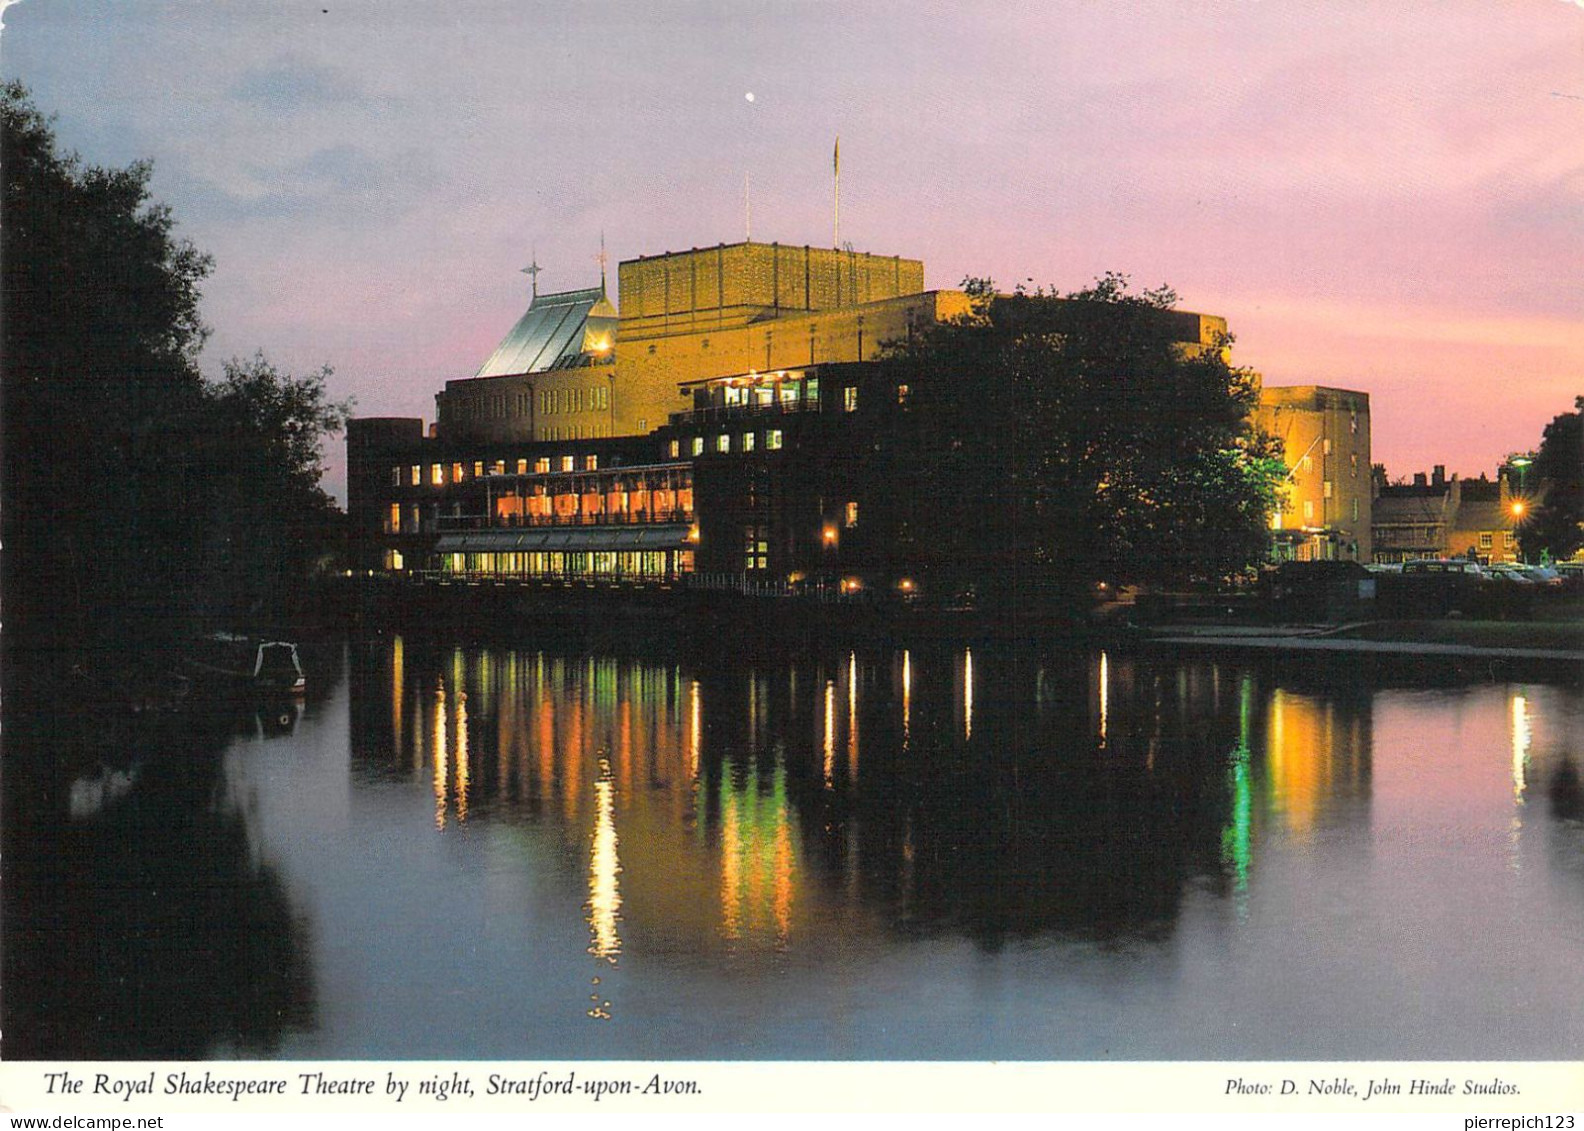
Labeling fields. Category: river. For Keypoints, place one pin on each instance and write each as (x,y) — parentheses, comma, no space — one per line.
(505,850)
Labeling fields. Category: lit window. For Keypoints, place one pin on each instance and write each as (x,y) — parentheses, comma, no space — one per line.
(676,448)
(498,468)
(773,439)
(756,544)
(1355,510)
(1308,509)
(1308,463)
(542,465)
(456,473)
(1508,538)
(412,520)
(1325,447)
(522,467)
(395,477)
(902,394)
(851,519)
(1353,423)
(698,445)
(590,463)
(850,398)
(1485,539)
(478,469)
(1325,488)
(436,474)
(723,443)
(1354,465)
(748,442)
(394,525)
(566,463)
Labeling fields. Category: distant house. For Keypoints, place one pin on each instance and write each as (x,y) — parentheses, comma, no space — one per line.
(1438,516)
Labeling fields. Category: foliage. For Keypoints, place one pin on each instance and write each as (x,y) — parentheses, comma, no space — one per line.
(114,481)
(1556,526)
(270,520)
(1052,442)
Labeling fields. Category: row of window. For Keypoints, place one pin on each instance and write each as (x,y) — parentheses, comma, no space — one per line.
(722,443)
(440,474)
(592,564)
(1307,463)
(1309,507)
(553,401)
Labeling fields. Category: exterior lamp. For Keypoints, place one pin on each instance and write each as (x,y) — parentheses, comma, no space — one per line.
(829,535)
(1518,508)
(1522,464)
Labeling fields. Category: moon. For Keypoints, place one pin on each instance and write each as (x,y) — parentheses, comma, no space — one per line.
(749,96)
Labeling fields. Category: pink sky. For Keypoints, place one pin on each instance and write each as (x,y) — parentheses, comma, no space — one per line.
(1380,196)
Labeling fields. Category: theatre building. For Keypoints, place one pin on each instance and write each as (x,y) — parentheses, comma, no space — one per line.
(720,428)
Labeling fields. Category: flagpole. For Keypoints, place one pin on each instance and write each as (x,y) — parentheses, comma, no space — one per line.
(836,171)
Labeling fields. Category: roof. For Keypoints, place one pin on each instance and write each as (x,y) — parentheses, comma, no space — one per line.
(556,332)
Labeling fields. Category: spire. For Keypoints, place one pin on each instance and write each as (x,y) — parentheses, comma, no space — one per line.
(532,271)
(601,258)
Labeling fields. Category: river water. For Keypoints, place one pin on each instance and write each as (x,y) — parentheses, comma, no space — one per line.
(506,851)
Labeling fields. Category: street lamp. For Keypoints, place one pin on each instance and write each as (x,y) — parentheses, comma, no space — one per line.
(1520,504)
(1522,464)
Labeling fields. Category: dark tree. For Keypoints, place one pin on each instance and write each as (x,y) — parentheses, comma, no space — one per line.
(1052,442)
(118,486)
(1556,526)
(101,336)
(271,524)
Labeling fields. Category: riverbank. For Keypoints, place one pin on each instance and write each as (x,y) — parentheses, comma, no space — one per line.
(1439,651)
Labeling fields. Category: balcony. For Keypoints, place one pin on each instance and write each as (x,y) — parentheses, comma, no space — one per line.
(450,523)
(726,413)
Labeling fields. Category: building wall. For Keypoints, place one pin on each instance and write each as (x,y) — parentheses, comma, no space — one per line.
(712,288)
(1325,435)
(376,446)
(652,369)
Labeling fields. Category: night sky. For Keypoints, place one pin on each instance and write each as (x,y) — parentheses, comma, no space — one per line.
(1380,196)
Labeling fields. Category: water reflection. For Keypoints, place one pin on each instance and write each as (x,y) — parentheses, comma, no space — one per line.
(939,808)
(855,852)
(141,919)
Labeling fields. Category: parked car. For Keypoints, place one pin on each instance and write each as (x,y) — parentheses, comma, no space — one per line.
(1455,566)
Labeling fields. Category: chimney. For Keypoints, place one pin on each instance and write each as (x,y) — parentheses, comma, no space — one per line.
(1438,476)
(1419,479)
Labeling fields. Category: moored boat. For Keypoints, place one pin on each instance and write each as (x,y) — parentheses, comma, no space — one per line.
(248,663)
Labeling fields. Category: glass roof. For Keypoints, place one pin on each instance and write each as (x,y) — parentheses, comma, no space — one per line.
(557,331)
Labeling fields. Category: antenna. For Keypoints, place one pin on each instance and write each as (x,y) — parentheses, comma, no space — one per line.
(747,211)
(532,271)
(836,173)
(601,257)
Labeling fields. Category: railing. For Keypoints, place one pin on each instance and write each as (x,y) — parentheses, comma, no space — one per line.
(444,523)
(748,585)
(719,413)
(565,579)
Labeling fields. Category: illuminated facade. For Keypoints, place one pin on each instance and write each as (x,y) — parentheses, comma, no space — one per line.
(722,424)
(1325,503)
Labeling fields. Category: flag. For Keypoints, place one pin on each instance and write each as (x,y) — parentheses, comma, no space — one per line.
(836,157)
